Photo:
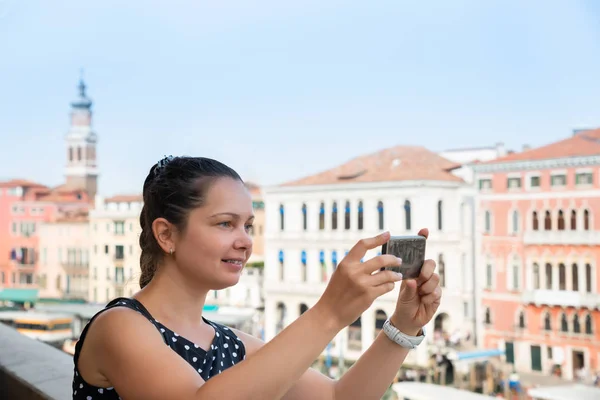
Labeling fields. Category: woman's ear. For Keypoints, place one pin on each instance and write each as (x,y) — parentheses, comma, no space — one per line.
(164,233)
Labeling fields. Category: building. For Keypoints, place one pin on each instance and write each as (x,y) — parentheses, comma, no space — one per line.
(115,251)
(24,205)
(312,223)
(259,223)
(64,257)
(539,253)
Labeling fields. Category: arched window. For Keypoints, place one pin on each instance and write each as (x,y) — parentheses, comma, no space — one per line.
(534,221)
(334,260)
(360,215)
(322,216)
(303,308)
(536,276)
(562,277)
(548,276)
(564,323)
(488,316)
(304,217)
(589,329)
(588,278)
(488,222)
(442,270)
(561,220)
(573,220)
(281,217)
(575,277)
(576,324)
(380,214)
(515,221)
(347,216)
(547,322)
(547,221)
(304,267)
(334,216)
(586,220)
(407,215)
(521,320)
(281,264)
(440,215)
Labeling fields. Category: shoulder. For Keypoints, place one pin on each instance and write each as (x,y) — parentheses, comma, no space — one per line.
(251,343)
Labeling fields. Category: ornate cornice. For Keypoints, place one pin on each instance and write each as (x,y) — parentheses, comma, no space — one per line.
(527,165)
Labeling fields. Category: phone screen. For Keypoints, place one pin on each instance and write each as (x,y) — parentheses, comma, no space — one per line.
(411,249)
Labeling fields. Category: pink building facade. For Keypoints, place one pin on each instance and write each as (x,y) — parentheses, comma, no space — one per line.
(540,247)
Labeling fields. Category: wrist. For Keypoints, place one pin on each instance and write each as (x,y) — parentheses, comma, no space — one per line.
(326,318)
(404,327)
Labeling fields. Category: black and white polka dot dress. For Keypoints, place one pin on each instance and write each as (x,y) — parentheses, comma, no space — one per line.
(226,350)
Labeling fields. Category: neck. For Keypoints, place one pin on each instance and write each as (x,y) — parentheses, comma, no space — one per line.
(169,296)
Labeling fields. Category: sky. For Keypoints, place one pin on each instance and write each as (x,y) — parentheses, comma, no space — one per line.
(281,90)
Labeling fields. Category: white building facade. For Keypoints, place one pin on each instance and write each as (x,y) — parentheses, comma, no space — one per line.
(312,224)
(115,250)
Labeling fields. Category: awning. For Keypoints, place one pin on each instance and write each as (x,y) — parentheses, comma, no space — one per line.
(470,355)
(19,295)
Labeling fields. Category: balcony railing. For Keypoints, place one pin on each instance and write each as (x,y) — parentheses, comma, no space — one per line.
(561,298)
(75,268)
(32,370)
(566,237)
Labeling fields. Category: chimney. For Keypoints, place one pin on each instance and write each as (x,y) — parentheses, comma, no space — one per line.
(579,130)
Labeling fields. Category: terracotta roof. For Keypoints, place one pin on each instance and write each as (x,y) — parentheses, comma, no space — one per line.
(21,182)
(253,188)
(79,215)
(400,163)
(586,143)
(125,198)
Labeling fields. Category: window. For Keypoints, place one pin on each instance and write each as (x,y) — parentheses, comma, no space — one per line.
(304,217)
(488,275)
(304,268)
(575,277)
(547,322)
(573,220)
(515,274)
(488,222)
(322,216)
(561,220)
(515,221)
(407,215)
(521,320)
(334,259)
(562,277)
(584,178)
(488,316)
(588,325)
(548,276)
(558,180)
(534,182)
(380,214)
(119,227)
(536,276)
(576,324)
(564,323)
(347,216)
(588,278)
(547,221)
(281,262)
(485,184)
(513,183)
(334,216)
(119,252)
(534,221)
(360,215)
(281,217)
(586,220)
(439,215)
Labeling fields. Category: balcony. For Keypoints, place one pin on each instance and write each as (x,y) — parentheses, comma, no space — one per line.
(32,370)
(119,260)
(72,268)
(565,237)
(561,298)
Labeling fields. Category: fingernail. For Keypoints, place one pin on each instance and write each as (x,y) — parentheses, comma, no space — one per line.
(399,275)
(399,260)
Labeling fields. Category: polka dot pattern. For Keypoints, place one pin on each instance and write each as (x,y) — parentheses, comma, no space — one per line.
(225,351)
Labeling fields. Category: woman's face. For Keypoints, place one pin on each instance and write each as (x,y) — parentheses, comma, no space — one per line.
(216,243)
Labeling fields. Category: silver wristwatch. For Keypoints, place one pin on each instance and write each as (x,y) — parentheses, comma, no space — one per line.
(404,340)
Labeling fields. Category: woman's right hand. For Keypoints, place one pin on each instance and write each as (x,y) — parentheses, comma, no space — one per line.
(354,286)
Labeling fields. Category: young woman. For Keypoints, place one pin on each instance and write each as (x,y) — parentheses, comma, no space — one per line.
(156,345)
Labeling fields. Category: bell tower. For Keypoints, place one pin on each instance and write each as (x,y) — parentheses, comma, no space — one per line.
(81,169)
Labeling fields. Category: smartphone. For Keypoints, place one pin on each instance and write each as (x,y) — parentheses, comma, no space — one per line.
(411,249)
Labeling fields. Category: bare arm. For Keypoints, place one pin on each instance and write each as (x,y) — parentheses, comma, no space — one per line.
(138,364)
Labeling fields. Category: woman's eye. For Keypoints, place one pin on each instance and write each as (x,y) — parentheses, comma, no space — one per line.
(249,227)
(226,224)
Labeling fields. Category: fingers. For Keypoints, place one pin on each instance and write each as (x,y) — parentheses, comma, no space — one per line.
(424,232)
(426,271)
(382,261)
(362,246)
(432,298)
(430,285)
(383,289)
(385,276)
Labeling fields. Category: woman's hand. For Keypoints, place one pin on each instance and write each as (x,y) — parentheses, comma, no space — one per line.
(354,286)
(419,299)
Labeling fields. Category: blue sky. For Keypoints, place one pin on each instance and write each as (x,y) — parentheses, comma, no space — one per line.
(279,90)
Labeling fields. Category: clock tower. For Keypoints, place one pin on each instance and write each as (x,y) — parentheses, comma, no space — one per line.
(81,169)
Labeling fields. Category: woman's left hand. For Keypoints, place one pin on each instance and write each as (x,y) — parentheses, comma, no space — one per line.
(419,299)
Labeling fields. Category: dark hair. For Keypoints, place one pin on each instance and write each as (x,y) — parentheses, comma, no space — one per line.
(173,188)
